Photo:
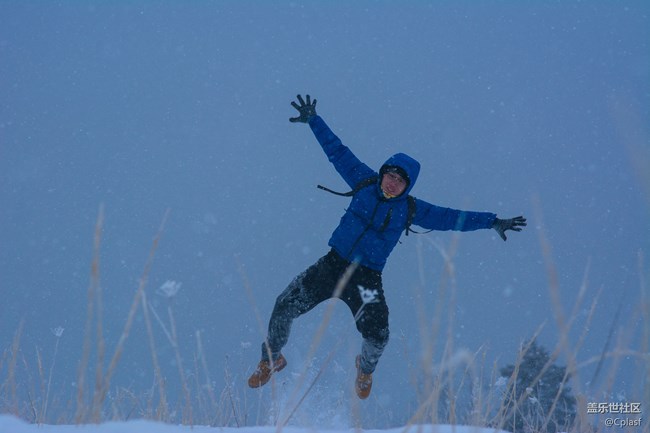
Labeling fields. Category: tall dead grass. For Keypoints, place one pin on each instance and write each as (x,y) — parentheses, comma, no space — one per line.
(455,385)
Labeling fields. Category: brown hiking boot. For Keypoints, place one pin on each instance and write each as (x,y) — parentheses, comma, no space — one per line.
(363,384)
(264,371)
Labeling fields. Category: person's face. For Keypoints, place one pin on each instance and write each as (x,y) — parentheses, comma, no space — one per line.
(393,184)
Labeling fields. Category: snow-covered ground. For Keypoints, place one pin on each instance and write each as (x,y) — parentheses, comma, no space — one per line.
(10,424)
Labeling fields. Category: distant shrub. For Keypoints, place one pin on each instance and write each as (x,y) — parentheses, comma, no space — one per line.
(538,397)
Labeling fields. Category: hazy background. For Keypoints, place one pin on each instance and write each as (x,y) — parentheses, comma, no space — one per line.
(533,108)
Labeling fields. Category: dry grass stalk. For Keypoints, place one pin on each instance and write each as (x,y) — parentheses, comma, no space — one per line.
(573,368)
(82,410)
(434,382)
(30,391)
(169,290)
(509,403)
(187,412)
(511,386)
(10,383)
(427,336)
(101,393)
(99,332)
(41,377)
(483,408)
(235,409)
(260,324)
(200,399)
(162,411)
(3,358)
(204,364)
(58,332)
(563,343)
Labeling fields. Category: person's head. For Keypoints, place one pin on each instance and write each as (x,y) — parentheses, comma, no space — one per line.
(398,175)
(394,181)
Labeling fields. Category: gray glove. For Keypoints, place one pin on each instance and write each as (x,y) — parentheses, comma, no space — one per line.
(514,224)
(307,110)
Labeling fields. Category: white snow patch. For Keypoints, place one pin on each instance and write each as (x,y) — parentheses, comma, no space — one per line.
(11,424)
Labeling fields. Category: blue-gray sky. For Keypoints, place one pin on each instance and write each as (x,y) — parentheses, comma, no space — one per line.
(534,108)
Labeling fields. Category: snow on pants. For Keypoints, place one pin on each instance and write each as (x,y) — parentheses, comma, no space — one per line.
(318,284)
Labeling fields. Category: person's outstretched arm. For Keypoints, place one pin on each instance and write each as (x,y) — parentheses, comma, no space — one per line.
(434,217)
(345,162)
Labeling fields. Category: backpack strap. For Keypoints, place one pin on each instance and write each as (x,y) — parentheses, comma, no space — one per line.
(358,187)
(410,200)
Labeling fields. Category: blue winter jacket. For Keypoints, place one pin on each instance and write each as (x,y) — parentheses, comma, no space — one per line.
(372,225)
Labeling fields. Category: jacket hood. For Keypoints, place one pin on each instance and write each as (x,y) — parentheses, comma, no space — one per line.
(406,163)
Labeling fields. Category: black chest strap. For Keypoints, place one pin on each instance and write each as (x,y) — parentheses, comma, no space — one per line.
(358,187)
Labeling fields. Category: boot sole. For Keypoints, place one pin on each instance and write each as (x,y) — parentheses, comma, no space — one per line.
(361,393)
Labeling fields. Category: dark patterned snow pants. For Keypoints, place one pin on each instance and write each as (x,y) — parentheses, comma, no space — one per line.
(316,285)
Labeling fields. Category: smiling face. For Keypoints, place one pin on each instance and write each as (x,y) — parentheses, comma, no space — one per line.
(392,184)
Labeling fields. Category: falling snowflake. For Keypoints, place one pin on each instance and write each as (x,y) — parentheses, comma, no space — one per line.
(169,289)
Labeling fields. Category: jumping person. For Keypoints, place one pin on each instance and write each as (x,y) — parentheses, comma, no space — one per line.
(380,210)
